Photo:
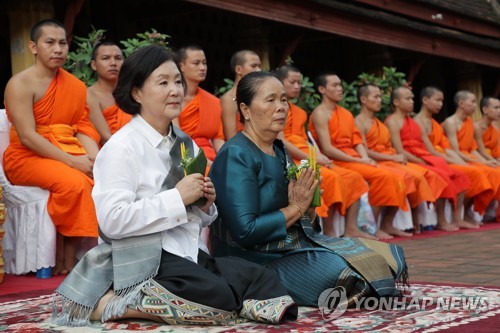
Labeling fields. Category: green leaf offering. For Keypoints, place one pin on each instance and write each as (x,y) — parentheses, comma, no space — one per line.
(192,165)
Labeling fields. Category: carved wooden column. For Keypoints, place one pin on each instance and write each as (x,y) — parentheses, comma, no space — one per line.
(23,14)
(469,78)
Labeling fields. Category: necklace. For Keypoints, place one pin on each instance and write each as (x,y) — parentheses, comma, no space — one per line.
(270,153)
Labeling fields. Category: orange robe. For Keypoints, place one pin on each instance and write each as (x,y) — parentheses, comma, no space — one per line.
(340,186)
(467,144)
(116,118)
(202,120)
(411,137)
(429,185)
(480,188)
(59,115)
(386,188)
(491,140)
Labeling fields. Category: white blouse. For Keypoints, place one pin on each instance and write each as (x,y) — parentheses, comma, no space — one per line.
(129,172)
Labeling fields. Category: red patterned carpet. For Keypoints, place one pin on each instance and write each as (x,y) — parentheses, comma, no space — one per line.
(419,311)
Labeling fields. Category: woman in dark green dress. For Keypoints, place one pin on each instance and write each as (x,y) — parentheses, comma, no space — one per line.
(265,218)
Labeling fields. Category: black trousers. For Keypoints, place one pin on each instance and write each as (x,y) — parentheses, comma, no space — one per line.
(222,282)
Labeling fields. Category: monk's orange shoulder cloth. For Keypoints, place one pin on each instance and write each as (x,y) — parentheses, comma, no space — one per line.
(437,137)
(378,138)
(465,137)
(115,118)
(294,130)
(491,140)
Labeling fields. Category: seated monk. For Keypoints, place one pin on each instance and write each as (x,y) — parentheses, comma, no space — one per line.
(52,142)
(406,137)
(105,115)
(334,129)
(341,187)
(242,63)
(486,134)
(201,113)
(480,192)
(427,185)
(459,129)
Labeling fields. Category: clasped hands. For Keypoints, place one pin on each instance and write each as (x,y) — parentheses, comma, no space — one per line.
(195,186)
(301,191)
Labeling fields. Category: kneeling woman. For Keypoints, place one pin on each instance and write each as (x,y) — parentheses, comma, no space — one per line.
(149,264)
(266,219)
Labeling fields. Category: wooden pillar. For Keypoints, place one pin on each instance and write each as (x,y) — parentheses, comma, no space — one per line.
(469,78)
(23,14)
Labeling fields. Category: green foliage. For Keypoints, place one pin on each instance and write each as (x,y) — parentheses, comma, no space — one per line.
(78,62)
(222,90)
(144,39)
(389,80)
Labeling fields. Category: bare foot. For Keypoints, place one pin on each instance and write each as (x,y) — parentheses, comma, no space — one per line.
(416,229)
(470,220)
(395,232)
(383,235)
(447,226)
(461,224)
(356,233)
(97,313)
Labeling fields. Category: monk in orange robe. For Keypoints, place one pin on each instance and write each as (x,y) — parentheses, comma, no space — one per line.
(427,184)
(406,137)
(341,187)
(242,63)
(333,128)
(200,117)
(107,60)
(486,134)
(52,142)
(459,129)
(480,192)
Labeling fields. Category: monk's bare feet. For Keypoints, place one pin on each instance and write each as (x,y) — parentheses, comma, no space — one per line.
(395,232)
(382,235)
(447,226)
(461,224)
(416,229)
(356,233)
(470,219)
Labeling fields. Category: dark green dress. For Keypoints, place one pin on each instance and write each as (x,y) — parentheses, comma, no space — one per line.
(251,187)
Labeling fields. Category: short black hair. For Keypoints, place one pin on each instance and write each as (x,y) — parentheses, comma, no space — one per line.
(36,30)
(429,92)
(321,79)
(282,72)
(104,43)
(364,90)
(247,88)
(134,72)
(238,59)
(181,54)
(395,94)
(485,102)
(461,96)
